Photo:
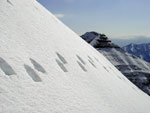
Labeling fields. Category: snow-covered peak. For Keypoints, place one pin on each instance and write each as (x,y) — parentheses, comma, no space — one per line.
(140,50)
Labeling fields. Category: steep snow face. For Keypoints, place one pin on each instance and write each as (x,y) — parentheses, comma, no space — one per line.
(135,69)
(140,50)
(47,68)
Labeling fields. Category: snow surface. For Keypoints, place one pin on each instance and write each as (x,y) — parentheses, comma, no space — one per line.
(41,70)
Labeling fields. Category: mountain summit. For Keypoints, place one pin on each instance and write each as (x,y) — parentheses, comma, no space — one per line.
(134,68)
(46,68)
(98,40)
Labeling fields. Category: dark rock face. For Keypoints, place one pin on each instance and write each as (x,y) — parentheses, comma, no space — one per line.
(135,69)
(98,40)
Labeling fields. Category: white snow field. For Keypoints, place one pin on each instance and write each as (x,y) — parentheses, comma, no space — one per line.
(47,68)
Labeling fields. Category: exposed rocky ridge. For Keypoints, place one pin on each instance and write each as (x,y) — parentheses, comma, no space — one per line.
(135,69)
(98,40)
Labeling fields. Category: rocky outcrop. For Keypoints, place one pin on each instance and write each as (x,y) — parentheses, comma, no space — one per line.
(98,40)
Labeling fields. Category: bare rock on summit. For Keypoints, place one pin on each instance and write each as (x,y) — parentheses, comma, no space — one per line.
(98,40)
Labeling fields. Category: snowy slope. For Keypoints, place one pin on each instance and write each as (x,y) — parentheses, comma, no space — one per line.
(47,68)
(135,69)
(140,50)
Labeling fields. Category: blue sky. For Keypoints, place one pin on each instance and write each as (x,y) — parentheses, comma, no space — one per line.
(115,18)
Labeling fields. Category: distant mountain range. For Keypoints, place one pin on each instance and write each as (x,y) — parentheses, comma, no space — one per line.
(140,50)
(134,68)
(123,41)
